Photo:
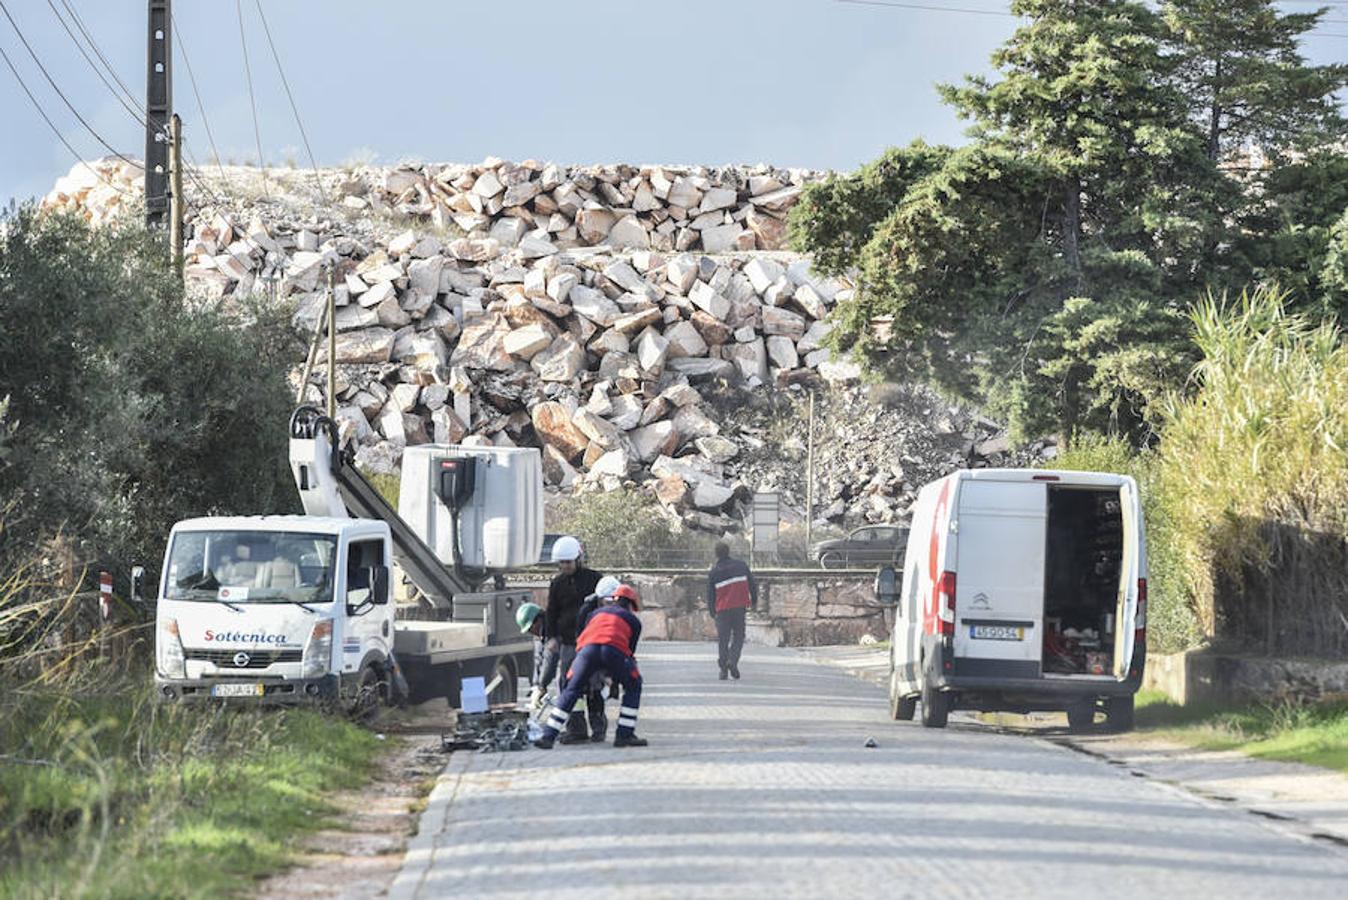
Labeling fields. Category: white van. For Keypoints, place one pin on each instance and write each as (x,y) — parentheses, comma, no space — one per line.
(1023,590)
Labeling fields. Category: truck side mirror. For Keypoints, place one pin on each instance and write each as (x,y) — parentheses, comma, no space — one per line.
(138,584)
(379,587)
(887,586)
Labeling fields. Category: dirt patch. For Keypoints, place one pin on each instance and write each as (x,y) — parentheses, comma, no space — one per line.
(362,852)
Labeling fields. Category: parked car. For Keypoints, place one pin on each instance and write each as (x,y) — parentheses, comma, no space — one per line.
(872,545)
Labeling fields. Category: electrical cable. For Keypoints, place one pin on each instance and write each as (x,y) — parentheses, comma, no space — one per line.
(136,114)
(201,107)
(60,93)
(293,108)
(257,132)
(79,23)
(52,125)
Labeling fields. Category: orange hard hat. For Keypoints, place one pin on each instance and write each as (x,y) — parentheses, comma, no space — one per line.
(628,593)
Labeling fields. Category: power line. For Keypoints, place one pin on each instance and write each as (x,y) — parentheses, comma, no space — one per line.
(138,116)
(928,8)
(257,132)
(79,24)
(52,125)
(295,109)
(59,92)
(201,107)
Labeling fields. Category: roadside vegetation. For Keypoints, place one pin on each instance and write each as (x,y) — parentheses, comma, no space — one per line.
(1312,733)
(125,406)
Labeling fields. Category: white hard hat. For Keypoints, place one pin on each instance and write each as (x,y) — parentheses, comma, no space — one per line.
(566,549)
(606,586)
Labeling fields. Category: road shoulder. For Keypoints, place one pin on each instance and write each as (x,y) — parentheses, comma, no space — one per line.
(1309,801)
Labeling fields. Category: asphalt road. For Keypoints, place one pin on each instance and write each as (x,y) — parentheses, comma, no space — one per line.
(764,788)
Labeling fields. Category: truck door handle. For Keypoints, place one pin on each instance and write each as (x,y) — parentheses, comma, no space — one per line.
(383,629)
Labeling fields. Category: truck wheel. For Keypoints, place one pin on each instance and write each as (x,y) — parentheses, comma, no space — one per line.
(831,560)
(369,693)
(508,690)
(1119,713)
(1081,717)
(901,708)
(935,706)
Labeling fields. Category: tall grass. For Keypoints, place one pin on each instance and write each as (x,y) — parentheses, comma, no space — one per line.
(1246,496)
(106,792)
(1255,473)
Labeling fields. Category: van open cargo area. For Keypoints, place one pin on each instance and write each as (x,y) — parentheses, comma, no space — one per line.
(1082,563)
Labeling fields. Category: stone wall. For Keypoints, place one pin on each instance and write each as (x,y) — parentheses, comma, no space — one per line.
(1201,677)
(793,610)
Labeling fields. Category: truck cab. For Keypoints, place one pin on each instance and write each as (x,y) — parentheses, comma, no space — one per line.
(299,608)
(286,608)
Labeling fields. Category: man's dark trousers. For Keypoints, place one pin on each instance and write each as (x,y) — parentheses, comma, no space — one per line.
(730,636)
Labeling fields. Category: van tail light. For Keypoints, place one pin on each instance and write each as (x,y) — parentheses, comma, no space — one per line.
(945,604)
(1140,621)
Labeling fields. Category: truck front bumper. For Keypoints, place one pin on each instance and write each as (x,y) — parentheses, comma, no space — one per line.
(274,691)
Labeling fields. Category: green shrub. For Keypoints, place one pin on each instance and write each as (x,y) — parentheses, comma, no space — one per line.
(627,528)
(129,405)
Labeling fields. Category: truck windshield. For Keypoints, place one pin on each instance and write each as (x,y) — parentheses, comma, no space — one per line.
(251,566)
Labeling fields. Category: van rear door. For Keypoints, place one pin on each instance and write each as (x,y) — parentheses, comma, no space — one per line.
(999,579)
(1129,572)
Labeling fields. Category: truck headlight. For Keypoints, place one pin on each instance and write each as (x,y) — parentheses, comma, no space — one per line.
(172,660)
(318,650)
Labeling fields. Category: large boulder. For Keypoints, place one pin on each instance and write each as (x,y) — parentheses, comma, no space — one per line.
(552,423)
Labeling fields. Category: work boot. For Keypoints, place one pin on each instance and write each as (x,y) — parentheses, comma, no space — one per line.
(597,737)
(629,740)
(571,737)
(724,673)
(735,672)
(544,743)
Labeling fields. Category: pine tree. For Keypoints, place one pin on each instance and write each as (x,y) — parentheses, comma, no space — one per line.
(1247,82)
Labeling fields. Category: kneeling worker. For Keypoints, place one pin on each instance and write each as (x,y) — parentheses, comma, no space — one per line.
(606,646)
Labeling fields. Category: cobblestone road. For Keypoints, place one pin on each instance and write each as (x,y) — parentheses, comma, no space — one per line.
(763,788)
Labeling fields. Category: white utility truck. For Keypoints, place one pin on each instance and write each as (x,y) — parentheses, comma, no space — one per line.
(1023,590)
(290,609)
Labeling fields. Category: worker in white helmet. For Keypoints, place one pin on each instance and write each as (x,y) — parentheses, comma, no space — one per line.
(572,584)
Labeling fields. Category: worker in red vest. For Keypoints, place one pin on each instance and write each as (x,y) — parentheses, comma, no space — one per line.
(606,645)
(731,591)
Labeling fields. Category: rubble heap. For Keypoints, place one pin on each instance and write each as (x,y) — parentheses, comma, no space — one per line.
(589,311)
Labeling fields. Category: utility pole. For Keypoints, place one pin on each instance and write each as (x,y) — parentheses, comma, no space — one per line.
(809,480)
(158,108)
(176,194)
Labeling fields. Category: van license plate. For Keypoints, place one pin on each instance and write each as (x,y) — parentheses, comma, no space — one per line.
(236,690)
(997,632)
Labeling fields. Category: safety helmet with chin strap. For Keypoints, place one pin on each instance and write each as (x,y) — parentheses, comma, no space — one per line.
(567,549)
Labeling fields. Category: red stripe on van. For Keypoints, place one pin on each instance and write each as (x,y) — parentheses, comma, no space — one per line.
(929,619)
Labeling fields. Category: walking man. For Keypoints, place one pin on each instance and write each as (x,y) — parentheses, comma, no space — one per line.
(731,591)
(607,646)
(570,586)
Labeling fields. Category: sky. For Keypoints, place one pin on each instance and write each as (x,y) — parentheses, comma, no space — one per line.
(820,84)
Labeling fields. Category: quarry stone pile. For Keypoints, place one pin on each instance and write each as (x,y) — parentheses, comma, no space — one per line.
(587,311)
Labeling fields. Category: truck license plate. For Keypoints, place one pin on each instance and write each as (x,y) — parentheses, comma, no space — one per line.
(236,690)
(997,632)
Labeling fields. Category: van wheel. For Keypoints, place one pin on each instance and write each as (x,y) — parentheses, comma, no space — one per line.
(1081,717)
(1119,713)
(935,706)
(901,708)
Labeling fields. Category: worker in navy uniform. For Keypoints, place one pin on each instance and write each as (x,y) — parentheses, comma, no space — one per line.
(731,591)
(573,582)
(607,646)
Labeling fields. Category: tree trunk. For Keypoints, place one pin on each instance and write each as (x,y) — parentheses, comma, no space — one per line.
(1071,228)
(1215,121)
